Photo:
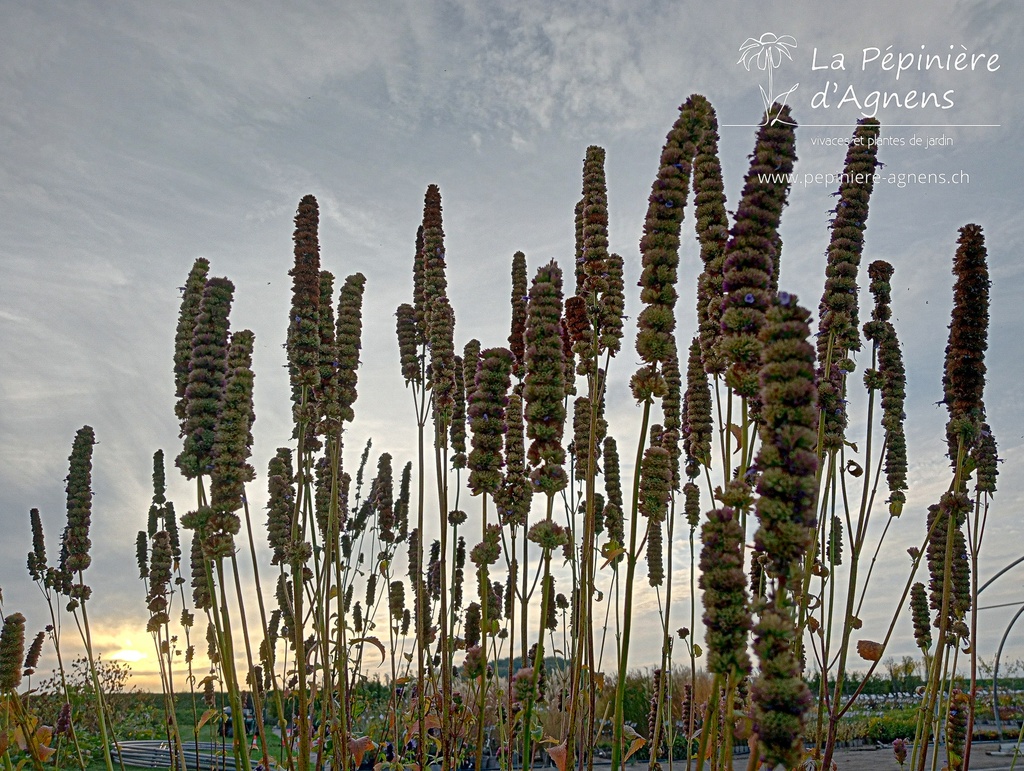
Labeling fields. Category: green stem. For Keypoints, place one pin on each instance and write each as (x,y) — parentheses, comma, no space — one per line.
(538,660)
(100,711)
(627,615)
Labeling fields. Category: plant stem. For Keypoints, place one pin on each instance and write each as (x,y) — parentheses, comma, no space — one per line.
(627,615)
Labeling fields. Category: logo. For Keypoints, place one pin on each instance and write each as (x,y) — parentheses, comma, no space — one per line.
(767,52)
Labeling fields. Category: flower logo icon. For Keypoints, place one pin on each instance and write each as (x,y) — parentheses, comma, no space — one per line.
(767,52)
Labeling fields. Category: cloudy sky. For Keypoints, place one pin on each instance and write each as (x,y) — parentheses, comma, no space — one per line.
(138,138)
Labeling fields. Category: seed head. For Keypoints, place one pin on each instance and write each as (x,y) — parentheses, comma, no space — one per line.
(986,457)
(838,313)
(435,283)
(781,697)
(545,381)
(442,359)
(207,373)
(407,344)
(382,493)
(37,557)
(159,581)
(655,483)
(712,232)
(12,651)
(326,392)
(517,337)
(787,460)
(594,215)
(659,246)
(964,377)
(612,304)
(919,611)
(486,413)
(890,378)
(190,300)
(35,650)
(956,728)
(232,445)
(723,581)
(457,431)
(697,418)
(79,503)
(655,556)
(751,267)
(281,488)
(349,341)
(63,724)
(200,581)
(303,344)
(613,518)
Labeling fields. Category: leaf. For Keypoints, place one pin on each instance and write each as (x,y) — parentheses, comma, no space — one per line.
(559,755)
(870,650)
(599,681)
(697,651)
(611,554)
(375,642)
(735,430)
(358,748)
(853,468)
(429,722)
(636,741)
(207,716)
(44,734)
(743,728)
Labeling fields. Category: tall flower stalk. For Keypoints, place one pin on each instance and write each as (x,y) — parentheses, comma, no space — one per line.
(77,559)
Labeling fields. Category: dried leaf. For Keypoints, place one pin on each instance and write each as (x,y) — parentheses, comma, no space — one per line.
(636,741)
(610,555)
(375,642)
(738,434)
(853,468)
(870,650)
(358,747)
(44,734)
(207,716)
(559,755)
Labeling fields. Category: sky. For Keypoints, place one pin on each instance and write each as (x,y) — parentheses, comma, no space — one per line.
(137,138)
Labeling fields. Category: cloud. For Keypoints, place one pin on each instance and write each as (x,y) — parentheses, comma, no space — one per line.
(136,141)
